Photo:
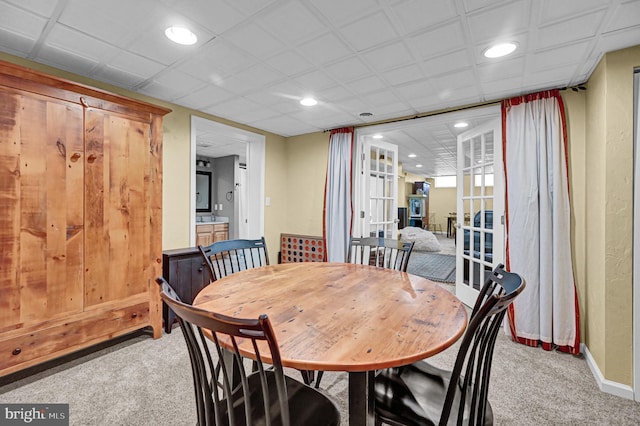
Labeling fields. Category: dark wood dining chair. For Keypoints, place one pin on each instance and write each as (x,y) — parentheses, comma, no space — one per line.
(225,393)
(421,394)
(230,256)
(377,251)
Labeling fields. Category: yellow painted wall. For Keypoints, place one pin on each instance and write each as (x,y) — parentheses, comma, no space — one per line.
(306,157)
(609,214)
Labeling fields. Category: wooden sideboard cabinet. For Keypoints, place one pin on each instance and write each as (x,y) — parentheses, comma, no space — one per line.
(81,216)
(187,273)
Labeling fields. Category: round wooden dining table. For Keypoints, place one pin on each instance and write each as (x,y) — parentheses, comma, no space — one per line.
(343,317)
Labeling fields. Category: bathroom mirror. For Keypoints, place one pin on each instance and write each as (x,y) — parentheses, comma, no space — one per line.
(203,191)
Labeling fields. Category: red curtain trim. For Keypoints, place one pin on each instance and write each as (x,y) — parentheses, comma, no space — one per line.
(555,93)
(573,350)
(342,130)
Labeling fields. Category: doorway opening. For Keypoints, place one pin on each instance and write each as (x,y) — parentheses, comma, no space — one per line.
(239,179)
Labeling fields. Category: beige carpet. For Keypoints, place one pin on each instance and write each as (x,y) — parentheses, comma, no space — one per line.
(143,381)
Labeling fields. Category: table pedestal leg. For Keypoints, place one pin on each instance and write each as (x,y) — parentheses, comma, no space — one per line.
(361,398)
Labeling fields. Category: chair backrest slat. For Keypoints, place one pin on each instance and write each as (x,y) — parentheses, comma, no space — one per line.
(230,256)
(225,393)
(377,251)
(472,370)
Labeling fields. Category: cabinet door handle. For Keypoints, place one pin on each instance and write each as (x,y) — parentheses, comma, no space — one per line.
(16,351)
(134,315)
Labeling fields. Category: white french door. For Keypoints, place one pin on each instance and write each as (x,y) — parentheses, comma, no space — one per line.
(376,189)
(480,208)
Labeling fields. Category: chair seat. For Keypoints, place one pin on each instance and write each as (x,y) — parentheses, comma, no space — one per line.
(414,395)
(307,406)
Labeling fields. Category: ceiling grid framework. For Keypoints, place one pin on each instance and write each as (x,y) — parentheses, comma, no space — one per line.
(255,59)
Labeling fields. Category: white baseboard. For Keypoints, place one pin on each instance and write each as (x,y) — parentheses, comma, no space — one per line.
(607,386)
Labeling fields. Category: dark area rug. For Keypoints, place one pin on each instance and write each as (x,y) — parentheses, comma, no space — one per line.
(434,266)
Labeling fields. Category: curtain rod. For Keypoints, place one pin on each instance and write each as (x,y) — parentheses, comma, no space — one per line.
(432,114)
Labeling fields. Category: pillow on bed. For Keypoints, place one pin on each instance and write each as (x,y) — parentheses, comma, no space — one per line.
(424,240)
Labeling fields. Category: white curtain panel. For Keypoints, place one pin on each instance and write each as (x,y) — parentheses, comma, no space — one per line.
(337,203)
(538,222)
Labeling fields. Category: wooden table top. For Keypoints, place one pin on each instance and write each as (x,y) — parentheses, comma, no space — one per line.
(340,316)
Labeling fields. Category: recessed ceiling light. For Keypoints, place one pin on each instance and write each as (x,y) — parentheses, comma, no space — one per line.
(460,124)
(181,35)
(499,50)
(412,156)
(418,165)
(377,136)
(308,102)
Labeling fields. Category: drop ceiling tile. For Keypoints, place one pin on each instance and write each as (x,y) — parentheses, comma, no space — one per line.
(258,76)
(553,10)
(366,85)
(215,15)
(369,31)
(438,41)
(448,62)
(289,91)
(389,56)
(256,115)
(619,39)
(250,7)
(207,96)
(323,49)
(285,126)
(570,30)
(563,55)
(381,98)
(118,77)
(340,11)
(235,105)
(40,7)
(292,22)
(403,75)
(416,90)
(416,15)
(499,22)
(289,63)
(255,40)
(511,84)
(315,81)
(337,94)
(556,77)
(220,54)
(135,64)
(473,5)
(20,22)
(117,22)
(14,43)
(454,80)
(496,71)
(171,85)
(83,45)
(285,107)
(626,15)
(66,60)
(349,69)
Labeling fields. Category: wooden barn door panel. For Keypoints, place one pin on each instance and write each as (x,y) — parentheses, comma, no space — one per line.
(117,210)
(42,208)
